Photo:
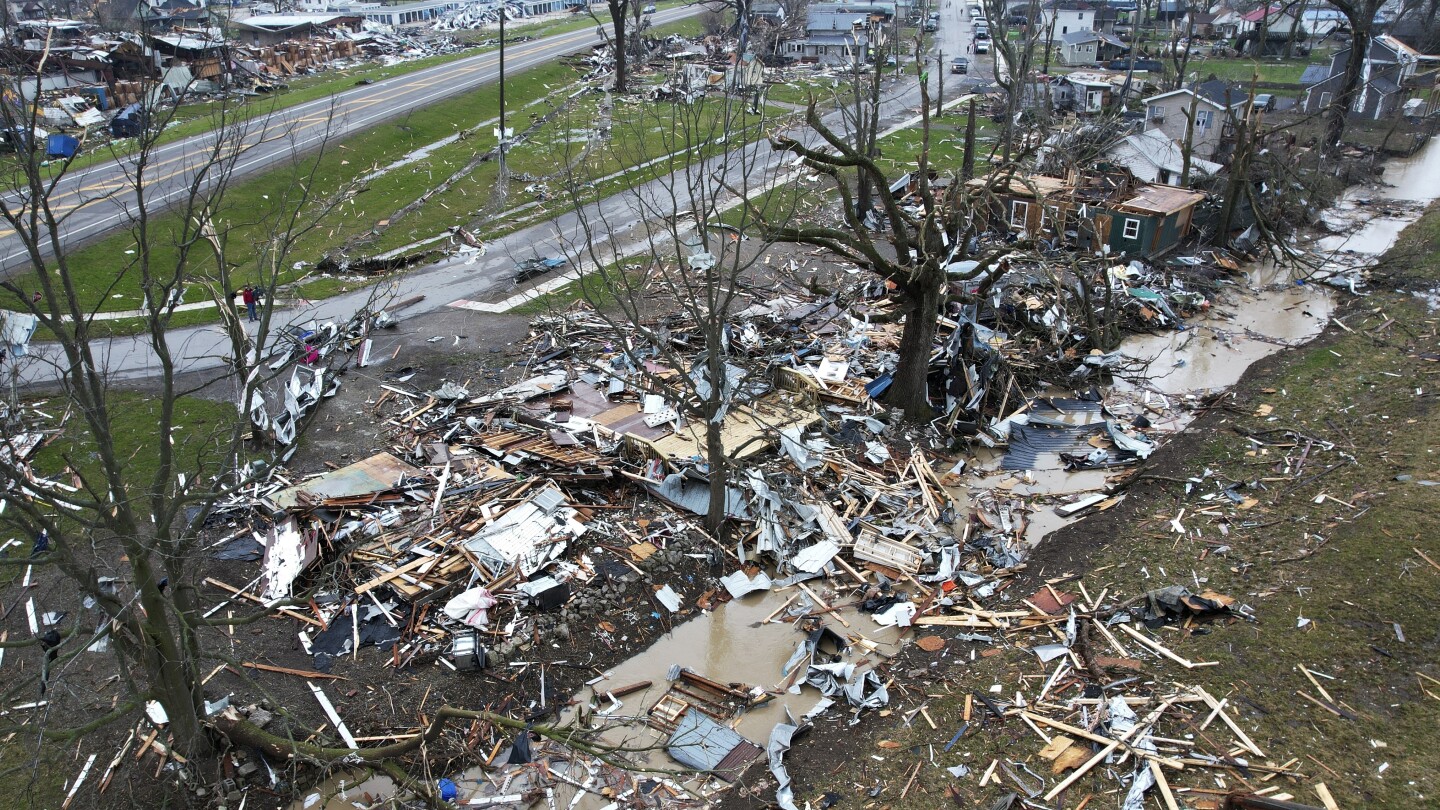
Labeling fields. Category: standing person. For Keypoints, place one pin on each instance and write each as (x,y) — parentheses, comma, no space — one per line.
(249,297)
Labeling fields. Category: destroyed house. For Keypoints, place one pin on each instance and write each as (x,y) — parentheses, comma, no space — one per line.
(272,29)
(1104,212)
(1389,67)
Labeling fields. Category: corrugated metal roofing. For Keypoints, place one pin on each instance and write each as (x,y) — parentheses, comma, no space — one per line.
(705,745)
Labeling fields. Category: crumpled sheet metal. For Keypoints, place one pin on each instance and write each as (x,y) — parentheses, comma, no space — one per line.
(863,692)
(780,738)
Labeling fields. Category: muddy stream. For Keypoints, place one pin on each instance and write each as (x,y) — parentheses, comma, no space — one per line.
(1266,312)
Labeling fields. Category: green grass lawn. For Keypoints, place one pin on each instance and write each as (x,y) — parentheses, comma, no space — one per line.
(1275,71)
(200,423)
(107,273)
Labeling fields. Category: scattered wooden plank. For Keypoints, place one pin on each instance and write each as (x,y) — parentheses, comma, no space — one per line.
(334,716)
(302,673)
(228,588)
(1160,649)
(1234,728)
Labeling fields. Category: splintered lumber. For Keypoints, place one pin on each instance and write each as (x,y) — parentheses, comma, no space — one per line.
(79,780)
(1076,731)
(119,755)
(822,604)
(1234,728)
(231,589)
(1163,785)
(1156,647)
(303,673)
(1109,748)
(334,717)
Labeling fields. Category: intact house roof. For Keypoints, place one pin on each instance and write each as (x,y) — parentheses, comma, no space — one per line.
(1254,16)
(1185,92)
(1156,148)
(1222,93)
(1078,37)
(1382,85)
(1314,74)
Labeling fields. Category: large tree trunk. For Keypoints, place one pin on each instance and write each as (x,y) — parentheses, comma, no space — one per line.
(714,444)
(621,46)
(1341,103)
(967,165)
(909,393)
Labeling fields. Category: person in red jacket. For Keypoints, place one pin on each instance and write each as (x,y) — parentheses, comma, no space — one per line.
(249,296)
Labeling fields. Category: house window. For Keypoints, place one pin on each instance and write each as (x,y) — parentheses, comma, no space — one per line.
(1080,16)
(1325,99)
(1049,217)
(1156,112)
(1132,228)
(1019,214)
(1064,29)
(1202,119)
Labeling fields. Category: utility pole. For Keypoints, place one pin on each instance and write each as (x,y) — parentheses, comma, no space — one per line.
(502,98)
(940,88)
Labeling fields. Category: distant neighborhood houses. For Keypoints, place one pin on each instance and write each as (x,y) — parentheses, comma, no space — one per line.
(1387,70)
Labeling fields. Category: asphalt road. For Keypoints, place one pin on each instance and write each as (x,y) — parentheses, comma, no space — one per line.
(101,197)
(611,227)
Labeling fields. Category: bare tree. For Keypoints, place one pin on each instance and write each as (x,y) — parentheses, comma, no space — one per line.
(696,260)
(911,249)
(623,36)
(1180,55)
(127,544)
(1013,64)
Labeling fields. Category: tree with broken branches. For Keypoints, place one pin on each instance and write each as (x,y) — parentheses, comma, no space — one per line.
(910,249)
(623,35)
(1014,60)
(114,512)
(667,296)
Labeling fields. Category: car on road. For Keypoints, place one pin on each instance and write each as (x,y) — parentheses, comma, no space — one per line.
(1265,101)
(931,25)
(650,9)
(982,45)
(960,65)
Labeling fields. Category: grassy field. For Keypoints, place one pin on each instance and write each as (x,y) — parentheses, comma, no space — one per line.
(133,419)
(1273,71)
(106,271)
(203,116)
(1345,562)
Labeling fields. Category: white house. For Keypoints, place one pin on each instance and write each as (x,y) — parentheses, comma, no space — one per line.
(1061,17)
(1153,157)
(1170,112)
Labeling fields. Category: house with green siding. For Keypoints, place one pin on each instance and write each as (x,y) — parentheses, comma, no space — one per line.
(1102,211)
